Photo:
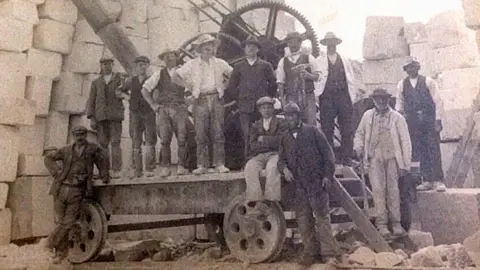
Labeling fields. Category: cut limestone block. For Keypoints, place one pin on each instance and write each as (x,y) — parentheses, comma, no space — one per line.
(113,9)
(460,78)
(17,111)
(69,83)
(19,9)
(39,89)
(3,195)
(453,122)
(53,36)
(448,29)
(16,35)
(87,83)
(422,52)
(9,149)
(43,63)
(5,226)
(12,74)
(390,87)
(32,137)
(31,165)
(59,10)
(134,11)
(416,33)
(141,44)
(84,58)
(57,130)
(472,13)
(458,98)
(69,104)
(454,57)
(32,207)
(384,38)
(135,29)
(383,71)
(85,33)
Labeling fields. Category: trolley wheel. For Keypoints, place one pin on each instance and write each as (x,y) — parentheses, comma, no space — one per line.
(88,235)
(214,227)
(254,237)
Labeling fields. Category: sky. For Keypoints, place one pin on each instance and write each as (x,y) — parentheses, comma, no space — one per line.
(348,16)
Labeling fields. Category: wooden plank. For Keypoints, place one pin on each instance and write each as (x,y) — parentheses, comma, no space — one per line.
(466,161)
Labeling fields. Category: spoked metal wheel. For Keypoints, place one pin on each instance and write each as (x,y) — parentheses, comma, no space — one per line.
(252,234)
(87,237)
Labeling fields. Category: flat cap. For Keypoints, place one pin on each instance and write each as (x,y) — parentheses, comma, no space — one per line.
(106,59)
(142,58)
(79,130)
(265,100)
(411,63)
(380,92)
(291,108)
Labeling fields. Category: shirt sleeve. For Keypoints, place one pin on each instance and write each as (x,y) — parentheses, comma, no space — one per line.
(435,92)
(399,106)
(185,71)
(152,82)
(315,65)
(227,69)
(280,72)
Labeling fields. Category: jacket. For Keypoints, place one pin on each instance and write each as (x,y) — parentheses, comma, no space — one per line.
(320,84)
(399,133)
(271,137)
(102,103)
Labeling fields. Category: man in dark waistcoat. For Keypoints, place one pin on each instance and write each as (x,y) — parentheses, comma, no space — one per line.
(418,99)
(167,100)
(251,79)
(72,184)
(307,159)
(142,121)
(106,112)
(336,98)
(296,74)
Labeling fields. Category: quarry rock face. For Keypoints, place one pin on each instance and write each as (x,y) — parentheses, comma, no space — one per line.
(384,38)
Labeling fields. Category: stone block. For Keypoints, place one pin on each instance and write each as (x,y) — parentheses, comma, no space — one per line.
(113,9)
(32,137)
(387,259)
(17,111)
(39,89)
(459,205)
(427,257)
(459,78)
(363,256)
(31,165)
(67,94)
(85,33)
(134,11)
(457,56)
(84,58)
(142,45)
(19,9)
(456,99)
(43,63)
(136,29)
(448,29)
(5,226)
(383,71)
(454,122)
(471,10)
(390,87)
(53,36)
(3,195)
(384,38)
(457,257)
(32,207)
(9,150)
(59,10)
(472,245)
(421,239)
(57,130)
(422,52)
(17,36)
(415,33)
(87,83)
(12,74)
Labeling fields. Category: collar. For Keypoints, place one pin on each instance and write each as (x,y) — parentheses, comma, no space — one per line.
(209,61)
(297,128)
(267,119)
(250,62)
(384,113)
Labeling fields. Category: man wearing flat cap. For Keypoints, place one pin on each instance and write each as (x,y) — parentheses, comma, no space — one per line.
(382,140)
(307,159)
(418,99)
(142,121)
(106,112)
(296,74)
(264,144)
(336,96)
(72,183)
(167,100)
(251,79)
(206,76)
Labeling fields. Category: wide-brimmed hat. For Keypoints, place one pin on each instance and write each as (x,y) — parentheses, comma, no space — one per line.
(106,59)
(251,40)
(143,59)
(265,100)
(412,62)
(330,36)
(380,92)
(294,35)
(203,39)
(166,52)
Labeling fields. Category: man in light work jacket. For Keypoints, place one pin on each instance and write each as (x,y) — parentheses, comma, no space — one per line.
(418,99)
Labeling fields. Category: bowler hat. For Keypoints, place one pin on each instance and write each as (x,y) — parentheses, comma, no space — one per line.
(143,59)
(294,35)
(79,130)
(106,59)
(330,36)
(380,92)
(166,52)
(291,108)
(251,40)
(412,62)
(265,100)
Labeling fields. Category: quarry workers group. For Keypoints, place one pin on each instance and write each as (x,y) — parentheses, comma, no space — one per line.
(388,142)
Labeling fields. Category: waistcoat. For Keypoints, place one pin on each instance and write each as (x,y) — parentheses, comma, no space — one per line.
(291,75)
(418,99)
(168,92)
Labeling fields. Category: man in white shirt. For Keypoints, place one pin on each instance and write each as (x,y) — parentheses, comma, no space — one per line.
(295,83)
(206,77)
(418,99)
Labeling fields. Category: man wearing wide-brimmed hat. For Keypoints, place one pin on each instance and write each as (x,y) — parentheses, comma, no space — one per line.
(382,141)
(418,98)
(251,79)
(336,96)
(296,74)
(167,100)
(206,77)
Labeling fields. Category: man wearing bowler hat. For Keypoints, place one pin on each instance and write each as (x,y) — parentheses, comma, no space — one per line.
(106,112)
(336,96)
(207,77)
(418,99)
(296,74)
(251,79)
(168,101)
(382,140)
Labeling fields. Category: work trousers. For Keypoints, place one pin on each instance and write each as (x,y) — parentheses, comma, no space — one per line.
(208,115)
(172,118)
(337,103)
(312,210)
(308,107)
(246,121)
(66,206)
(110,133)
(254,166)
(383,175)
(143,123)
